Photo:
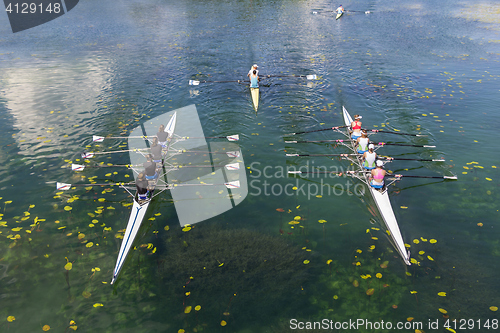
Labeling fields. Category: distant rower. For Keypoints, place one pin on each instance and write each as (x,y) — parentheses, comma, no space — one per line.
(363,142)
(340,10)
(369,157)
(377,176)
(356,127)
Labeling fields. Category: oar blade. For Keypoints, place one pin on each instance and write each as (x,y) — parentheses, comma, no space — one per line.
(63,186)
(233,153)
(234,184)
(86,154)
(235,137)
(97,138)
(232,166)
(194,83)
(312,77)
(77,167)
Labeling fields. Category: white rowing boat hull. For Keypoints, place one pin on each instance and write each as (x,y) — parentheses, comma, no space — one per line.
(139,210)
(383,203)
(255,97)
(133,225)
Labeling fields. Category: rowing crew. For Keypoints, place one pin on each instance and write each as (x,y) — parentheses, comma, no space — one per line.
(369,156)
(152,166)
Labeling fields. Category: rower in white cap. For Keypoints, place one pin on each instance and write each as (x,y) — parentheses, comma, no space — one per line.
(254,68)
(369,157)
(377,176)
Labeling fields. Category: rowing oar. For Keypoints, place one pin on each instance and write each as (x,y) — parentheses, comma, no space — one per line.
(390,132)
(318,130)
(314,141)
(301,155)
(196,82)
(415,176)
(359,11)
(65,186)
(231,166)
(86,154)
(410,159)
(308,77)
(400,144)
(96,138)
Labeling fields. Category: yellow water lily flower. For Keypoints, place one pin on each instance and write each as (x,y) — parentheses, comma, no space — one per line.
(187,309)
(223,323)
(433,241)
(306,262)
(10,319)
(378,275)
(442,294)
(443,311)
(197,308)
(46,328)
(493,308)
(96,305)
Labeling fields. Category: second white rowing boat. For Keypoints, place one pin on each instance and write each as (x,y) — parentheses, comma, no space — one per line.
(381,197)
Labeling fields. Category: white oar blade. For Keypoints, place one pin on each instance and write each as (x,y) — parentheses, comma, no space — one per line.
(77,167)
(87,155)
(194,83)
(233,166)
(311,77)
(294,172)
(63,186)
(235,137)
(292,155)
(290,141)
(233,153)
(96,138)
(450,177)
(235,184)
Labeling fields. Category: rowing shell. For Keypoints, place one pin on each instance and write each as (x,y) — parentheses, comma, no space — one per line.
(255,97)
(339,15)
(381,199)
(140,208)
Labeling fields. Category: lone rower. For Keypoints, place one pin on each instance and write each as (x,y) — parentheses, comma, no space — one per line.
(356,127)
(340,10)
(254,79)
(362,142)
(142,187)
(369,157)
(254,68)
(162,136)
(377,176)
(150,168)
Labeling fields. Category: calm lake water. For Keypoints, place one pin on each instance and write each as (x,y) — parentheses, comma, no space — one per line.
(106,67)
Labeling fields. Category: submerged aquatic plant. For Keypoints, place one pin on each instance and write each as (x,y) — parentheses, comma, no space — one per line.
(245,274)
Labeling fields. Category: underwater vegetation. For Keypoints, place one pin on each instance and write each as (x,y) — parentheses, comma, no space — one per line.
(241,275)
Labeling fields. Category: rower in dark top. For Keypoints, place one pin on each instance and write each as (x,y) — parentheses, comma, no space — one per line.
(142,187)
(156,151)
(162,136)
(150,168)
